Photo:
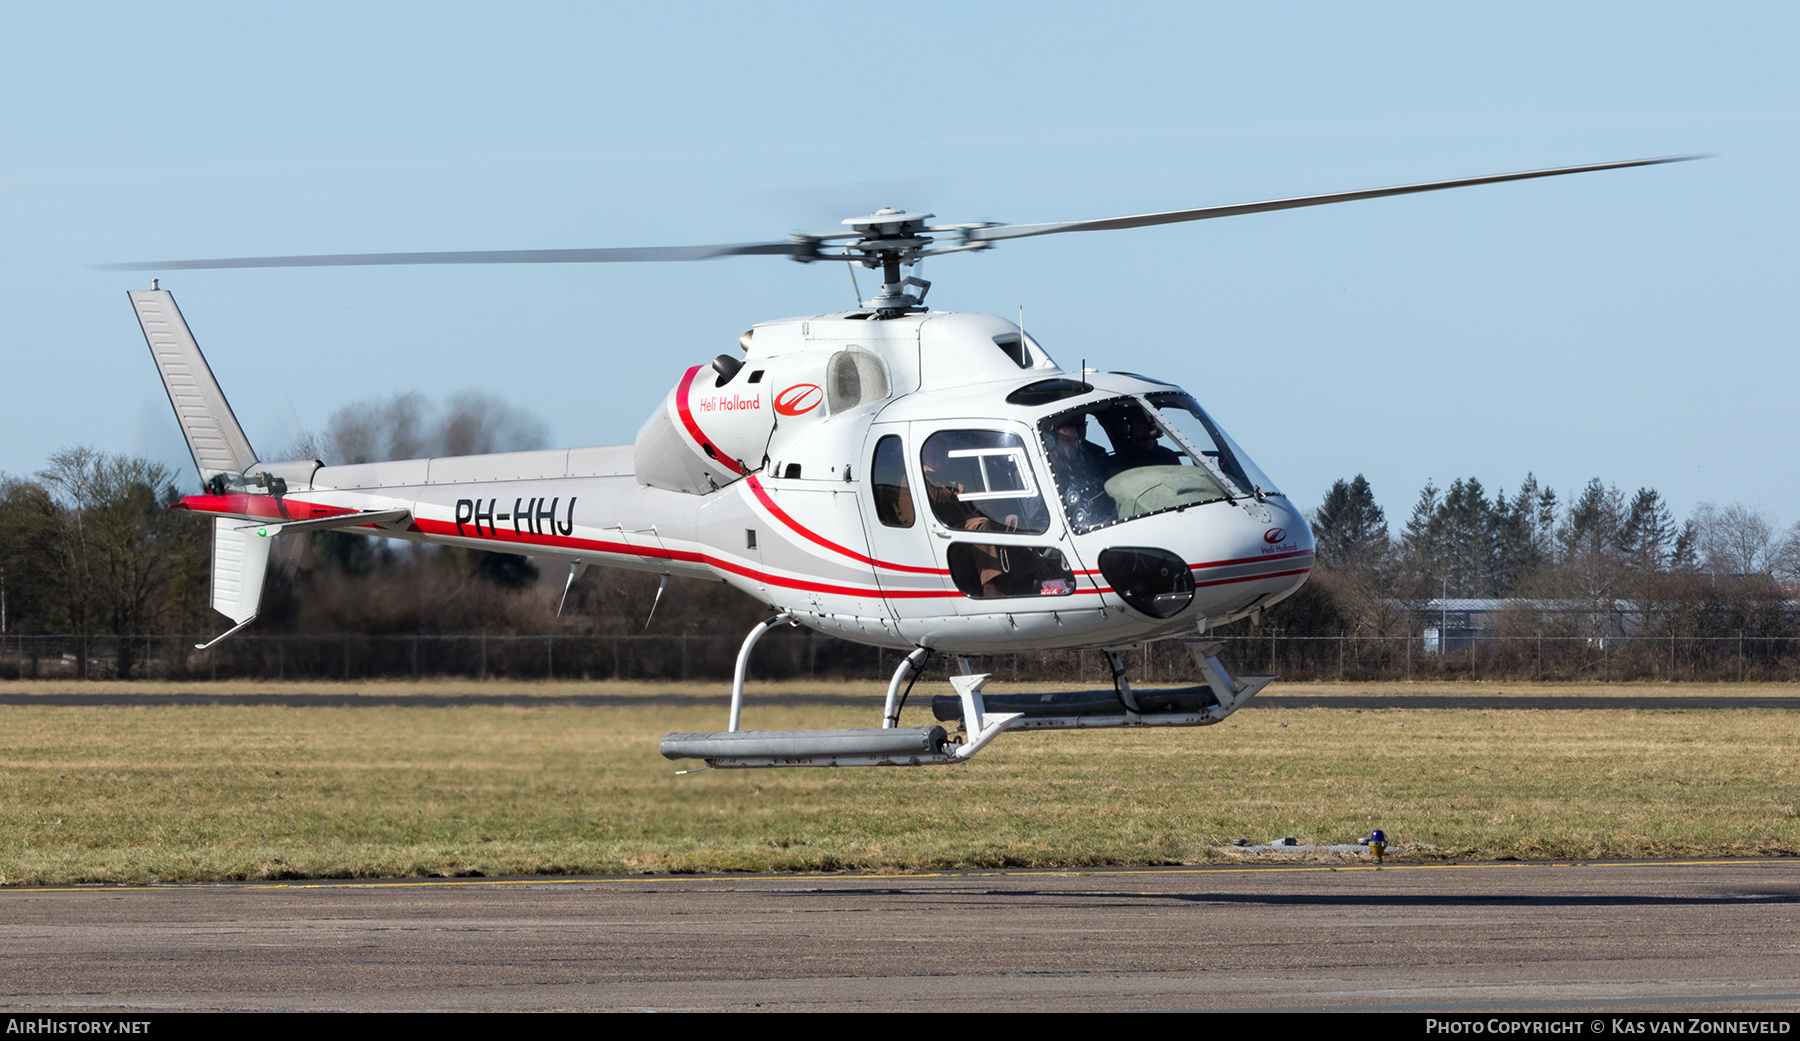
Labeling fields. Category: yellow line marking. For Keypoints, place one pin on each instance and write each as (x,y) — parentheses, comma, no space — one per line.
(104,887)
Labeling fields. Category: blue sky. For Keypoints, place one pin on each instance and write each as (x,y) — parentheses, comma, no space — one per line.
(1638,325)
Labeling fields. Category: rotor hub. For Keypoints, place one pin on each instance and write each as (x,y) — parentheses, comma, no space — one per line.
(891,239)
(888,222)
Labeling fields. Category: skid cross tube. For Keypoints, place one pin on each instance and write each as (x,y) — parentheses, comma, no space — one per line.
(979,725)
(743,663)
(890,716)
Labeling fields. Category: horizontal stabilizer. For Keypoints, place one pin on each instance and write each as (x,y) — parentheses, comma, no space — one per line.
(213,434)
(241,558)
(342,520)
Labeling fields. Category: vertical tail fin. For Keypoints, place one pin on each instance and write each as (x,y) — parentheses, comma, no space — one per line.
(213,434)
(221,452)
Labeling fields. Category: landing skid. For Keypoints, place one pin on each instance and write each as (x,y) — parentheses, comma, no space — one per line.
(982,717)
(1196,706)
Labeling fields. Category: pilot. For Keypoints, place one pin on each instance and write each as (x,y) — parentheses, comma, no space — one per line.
(1081,470)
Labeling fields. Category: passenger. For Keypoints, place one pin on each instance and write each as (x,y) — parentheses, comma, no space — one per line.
(947,503)
(946,494)
(1143,446)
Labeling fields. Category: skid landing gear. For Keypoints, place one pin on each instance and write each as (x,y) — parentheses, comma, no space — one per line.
(982,717)
(1197,706)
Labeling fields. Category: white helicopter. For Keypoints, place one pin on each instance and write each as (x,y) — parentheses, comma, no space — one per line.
(912,479)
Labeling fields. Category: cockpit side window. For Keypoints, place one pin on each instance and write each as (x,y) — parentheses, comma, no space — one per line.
(887,477)
(981,480)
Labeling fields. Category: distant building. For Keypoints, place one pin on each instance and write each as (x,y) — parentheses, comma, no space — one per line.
(1451,625)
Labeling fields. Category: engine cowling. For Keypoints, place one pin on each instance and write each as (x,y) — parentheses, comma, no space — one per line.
(712,429)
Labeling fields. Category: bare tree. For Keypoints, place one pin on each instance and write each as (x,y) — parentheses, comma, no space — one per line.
(1785,560)
(425,588)
(409,426)
(1734,539)
(370,432)
(475,424)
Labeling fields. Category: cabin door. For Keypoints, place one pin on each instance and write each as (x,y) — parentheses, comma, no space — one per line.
(914,583)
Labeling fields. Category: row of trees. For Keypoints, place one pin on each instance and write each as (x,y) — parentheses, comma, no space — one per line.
(88,546)
(1724,566)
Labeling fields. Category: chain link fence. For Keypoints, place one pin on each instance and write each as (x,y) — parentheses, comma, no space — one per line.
(803,654)
(1738,656)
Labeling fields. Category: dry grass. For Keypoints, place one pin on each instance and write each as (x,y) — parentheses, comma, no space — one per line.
(869,688)
(221,792)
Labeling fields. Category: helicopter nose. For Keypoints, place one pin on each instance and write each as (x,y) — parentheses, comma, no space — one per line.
(1275,553)
(1238,558)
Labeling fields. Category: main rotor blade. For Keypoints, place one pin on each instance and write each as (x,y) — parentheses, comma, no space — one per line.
(1144,220)
(807,246)
(488,256)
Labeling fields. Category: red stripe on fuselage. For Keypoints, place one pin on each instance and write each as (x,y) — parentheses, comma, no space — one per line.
(259,507)
(1240,578)
(526,540)
(693,428)
(782,515)
(268,507)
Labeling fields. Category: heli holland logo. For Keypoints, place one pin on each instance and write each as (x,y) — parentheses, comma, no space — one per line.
(1274,535)
(801,397)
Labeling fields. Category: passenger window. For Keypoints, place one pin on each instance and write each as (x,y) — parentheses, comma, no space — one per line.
(988,572)
(887,477)
(981,480)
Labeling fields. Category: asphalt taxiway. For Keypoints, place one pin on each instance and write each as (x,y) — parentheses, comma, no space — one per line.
(1661,936)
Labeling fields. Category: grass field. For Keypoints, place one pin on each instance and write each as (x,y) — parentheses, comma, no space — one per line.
(130,793)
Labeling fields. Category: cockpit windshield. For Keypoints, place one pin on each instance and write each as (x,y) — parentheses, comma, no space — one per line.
(1130,457)
(1183,414)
